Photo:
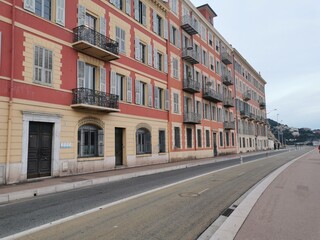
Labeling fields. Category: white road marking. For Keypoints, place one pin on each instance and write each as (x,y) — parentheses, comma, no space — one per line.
(203,191)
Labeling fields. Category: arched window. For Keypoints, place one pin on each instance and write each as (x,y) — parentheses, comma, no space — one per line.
(90,141)
(143,138)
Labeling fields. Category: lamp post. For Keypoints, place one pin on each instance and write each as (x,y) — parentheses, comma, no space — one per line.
(278,127)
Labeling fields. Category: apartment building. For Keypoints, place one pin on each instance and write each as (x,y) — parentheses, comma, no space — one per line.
(250,106)
(96,85)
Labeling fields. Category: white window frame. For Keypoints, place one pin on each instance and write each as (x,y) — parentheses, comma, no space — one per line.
(40,65)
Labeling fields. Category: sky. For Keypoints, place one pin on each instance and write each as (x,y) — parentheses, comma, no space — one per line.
(280,39)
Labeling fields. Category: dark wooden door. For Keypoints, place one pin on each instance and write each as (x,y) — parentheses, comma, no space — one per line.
(119,146)
(39,149)
(215,150)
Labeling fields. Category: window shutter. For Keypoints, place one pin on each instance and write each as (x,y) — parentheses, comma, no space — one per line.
(136,10)
(178,43)
(81,74)
(138,92)
(29,5)
(113,82)
(155,25)
(156,97)
(185,108)
(166,105)
(155,57)
(103,77)
(148,142)
(149,55)
(128,7)
(165,62)
(137,48)
(150,95)
(60,12)
(81,15)
(144,10)
(129,89)
(100,143)
(165,28)
(103,26)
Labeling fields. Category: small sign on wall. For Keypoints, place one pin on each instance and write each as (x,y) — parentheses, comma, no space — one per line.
(66,145)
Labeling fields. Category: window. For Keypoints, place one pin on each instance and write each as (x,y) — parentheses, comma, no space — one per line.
(157,21)
(141,92)
(176,103)
(210,39)
(175,68)
(221,139)
(123,5)
(207,138)
(162,141)
(217,67)
(140,12)
(42,65)
(159,59)
(175,37)
(158,98)
(211,63)
(204,57)
(143,138)
(142,49)
(217,45)
(227,139)
(214,113)
(243,142)
(121,39)
(174,6)
(90,21)
(189,138)
(90,141)
(43,8)
(119,86)
(206,114)
(199,137)
(177,143)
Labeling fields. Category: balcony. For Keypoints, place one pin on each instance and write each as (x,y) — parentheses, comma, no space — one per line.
(212,95)
(247,96)
(191,86)
(229,125)
(190,56)
(189,25)
(262,105)
(93,43)
(85,98)
(244,114)
(228,102)
(227,79)
(192,118)
(226,58)
(252,117)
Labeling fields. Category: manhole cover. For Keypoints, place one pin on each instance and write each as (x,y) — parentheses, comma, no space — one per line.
(189,194)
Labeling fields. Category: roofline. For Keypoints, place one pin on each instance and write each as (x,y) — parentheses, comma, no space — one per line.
(208,6)
(248,64)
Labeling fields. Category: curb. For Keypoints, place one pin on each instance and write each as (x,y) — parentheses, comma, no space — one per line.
(229,229)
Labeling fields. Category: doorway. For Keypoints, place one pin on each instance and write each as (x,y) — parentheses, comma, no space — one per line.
(215,150)
(39,149)
(118,146)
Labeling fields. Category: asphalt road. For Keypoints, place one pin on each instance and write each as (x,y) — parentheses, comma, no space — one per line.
(182,211)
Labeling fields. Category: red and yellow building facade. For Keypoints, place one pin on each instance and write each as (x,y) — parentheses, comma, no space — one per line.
(88,86)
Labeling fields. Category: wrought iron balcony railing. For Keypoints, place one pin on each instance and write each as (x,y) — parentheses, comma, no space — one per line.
(190,55)
(226,58)
(244,114)
(227,79)
(262,105)
(189,85)
(192,117)
(93,99)
(228,102)
(229,125)
(95,44)
(247,96)
(189,25)
(212,95)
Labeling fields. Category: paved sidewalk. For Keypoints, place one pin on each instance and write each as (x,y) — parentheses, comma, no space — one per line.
(286,207)
(44,186)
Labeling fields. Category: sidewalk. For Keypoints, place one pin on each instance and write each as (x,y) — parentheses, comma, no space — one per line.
(45,186)
(284,206)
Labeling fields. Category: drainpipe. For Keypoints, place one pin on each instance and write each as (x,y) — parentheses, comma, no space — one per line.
(8,157)
(235,103)
(168,77)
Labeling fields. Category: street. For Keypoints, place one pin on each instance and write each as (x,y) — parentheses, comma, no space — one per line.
(180,211)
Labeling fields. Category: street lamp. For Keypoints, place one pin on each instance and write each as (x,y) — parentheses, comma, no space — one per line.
(272,110)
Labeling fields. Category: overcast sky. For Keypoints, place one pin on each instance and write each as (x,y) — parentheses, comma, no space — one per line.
(281,39)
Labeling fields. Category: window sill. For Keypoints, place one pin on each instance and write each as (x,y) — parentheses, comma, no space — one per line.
(85,159)
(144,155)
